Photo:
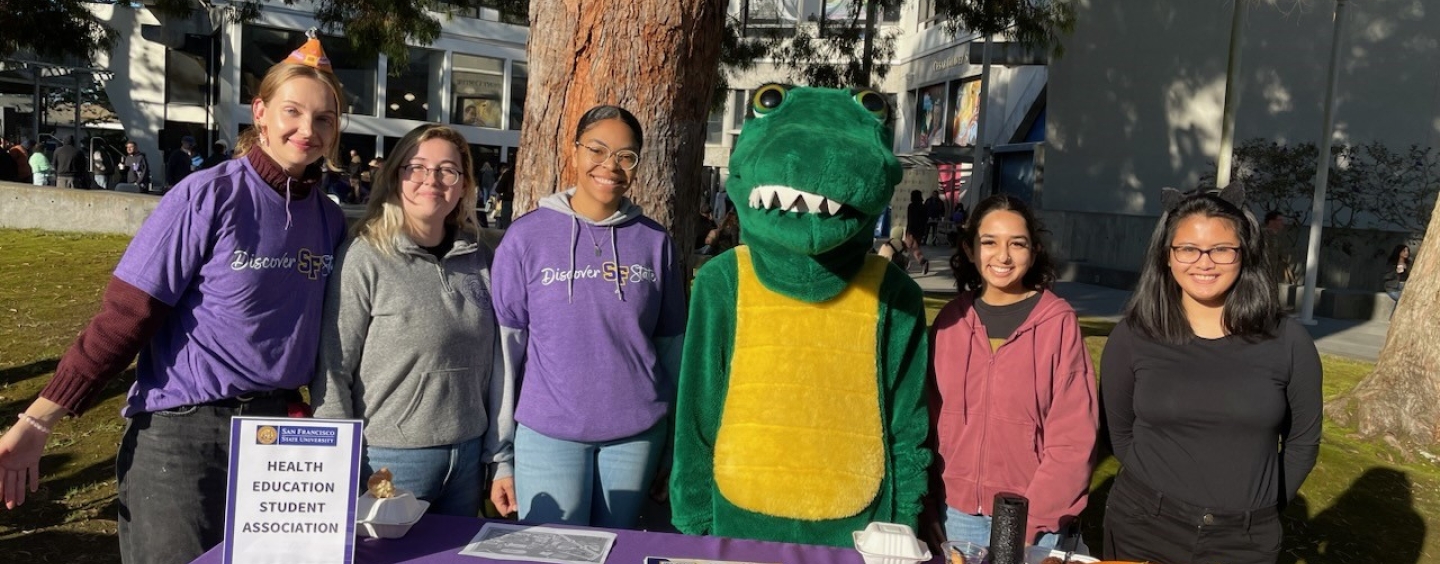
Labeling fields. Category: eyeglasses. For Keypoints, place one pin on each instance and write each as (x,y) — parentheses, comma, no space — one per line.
(599,155)
(418,173)
(1219,255)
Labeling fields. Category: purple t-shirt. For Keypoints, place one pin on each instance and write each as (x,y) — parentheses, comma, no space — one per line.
(246,291)
(591,370)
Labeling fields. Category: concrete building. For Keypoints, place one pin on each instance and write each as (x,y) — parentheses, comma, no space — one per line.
(1132,106)
(196,77)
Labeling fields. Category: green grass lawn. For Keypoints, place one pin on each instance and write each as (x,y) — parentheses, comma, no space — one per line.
(1363,503)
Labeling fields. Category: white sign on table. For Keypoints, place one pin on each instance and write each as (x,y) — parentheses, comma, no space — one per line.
(291,494)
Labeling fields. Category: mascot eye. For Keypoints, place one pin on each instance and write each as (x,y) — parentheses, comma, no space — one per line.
(873,102)
(767,98)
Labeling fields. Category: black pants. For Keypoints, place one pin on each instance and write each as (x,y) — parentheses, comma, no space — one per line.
(173,468)
(1142,524)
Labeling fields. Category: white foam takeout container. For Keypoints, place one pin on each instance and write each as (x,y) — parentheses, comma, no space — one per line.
(388,518)
(890,543)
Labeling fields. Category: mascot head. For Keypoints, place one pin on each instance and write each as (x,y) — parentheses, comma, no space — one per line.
(814,169)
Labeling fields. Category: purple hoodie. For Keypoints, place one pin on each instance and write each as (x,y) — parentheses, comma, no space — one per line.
(589,334)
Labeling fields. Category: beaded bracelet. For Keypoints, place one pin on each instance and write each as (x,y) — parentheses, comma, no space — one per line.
(33,422)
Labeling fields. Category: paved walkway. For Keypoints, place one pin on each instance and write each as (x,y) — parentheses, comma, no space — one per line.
(1360,340)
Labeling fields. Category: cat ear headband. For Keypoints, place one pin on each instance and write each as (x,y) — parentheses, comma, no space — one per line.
(1170,198)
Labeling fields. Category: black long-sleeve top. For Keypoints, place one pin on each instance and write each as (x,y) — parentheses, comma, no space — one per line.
(1221,423)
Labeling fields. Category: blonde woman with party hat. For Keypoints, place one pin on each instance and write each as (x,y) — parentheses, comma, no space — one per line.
(220,295)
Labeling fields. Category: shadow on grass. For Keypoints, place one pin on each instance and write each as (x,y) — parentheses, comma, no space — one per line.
(1373,522)
(86,494)
(16,374)
(68,546)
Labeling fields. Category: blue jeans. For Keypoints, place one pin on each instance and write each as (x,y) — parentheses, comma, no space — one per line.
(593,484)
(447,476)
(960,526)
(172,470)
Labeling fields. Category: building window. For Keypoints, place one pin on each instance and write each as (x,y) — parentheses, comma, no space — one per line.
(837,16)
(513,12)
(927,16)
(715,127)
(478,84)
(739,105)
(187,71)
(518,80)
(769,18)
(407,95)
(262,47)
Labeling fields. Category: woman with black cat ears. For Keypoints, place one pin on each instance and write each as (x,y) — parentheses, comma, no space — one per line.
(1200,381)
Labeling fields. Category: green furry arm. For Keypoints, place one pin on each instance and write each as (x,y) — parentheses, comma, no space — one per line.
(709,338)
(903,364)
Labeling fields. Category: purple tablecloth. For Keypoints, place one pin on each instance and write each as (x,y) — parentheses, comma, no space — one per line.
(437,539)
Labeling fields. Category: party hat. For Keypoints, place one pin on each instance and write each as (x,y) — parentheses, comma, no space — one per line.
(311,54)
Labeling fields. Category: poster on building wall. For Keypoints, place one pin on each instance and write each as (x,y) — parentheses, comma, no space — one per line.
(480,112)
(965,100)
(929,116)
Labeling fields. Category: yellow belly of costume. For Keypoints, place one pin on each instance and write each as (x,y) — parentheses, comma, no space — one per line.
(800,435)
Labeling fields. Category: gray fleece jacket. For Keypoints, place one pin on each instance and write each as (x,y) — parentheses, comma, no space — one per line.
(409,344)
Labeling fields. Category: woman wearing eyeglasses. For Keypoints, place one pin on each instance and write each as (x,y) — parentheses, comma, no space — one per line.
(409,341)
(1201,382)
(589,296)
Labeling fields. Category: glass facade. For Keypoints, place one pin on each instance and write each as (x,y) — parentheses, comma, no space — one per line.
(518,80)
(188,71)
(262,47)
(477,85)
(407,93)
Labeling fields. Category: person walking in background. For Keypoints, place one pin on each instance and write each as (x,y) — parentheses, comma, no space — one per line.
(219,153)
(917,221)
(505,195)
(8,171)
(1397,271)
(137,167)
(219,329)
(181,162)
(934,211)
(487,181)
(1013,402)
(1212,397)
(412,353)
(40,166)
(68,164)
(101,167)
(590,298)
(20,154)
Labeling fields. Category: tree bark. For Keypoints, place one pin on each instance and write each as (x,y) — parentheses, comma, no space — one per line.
(657,58)
(1401,398)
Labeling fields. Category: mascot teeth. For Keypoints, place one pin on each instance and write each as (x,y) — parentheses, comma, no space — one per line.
(789,199)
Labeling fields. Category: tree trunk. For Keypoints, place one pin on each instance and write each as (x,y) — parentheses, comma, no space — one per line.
(1401,398)
(657,58)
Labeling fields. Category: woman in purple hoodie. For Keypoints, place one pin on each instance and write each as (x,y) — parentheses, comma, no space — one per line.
(590,300)
(1016,409)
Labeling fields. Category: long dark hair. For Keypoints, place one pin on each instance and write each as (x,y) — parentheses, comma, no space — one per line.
(1042,271)
(1252,309)
(1395,254)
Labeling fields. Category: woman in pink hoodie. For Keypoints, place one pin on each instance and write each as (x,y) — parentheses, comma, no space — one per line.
(1014,404)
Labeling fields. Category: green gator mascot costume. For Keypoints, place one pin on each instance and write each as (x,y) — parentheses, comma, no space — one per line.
(800,414)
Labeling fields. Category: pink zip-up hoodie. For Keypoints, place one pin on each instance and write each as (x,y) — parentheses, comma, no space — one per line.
(1022,419)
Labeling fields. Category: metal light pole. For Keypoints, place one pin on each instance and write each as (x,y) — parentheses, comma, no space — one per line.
(1322,173)
(977,185)
(1232,97)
